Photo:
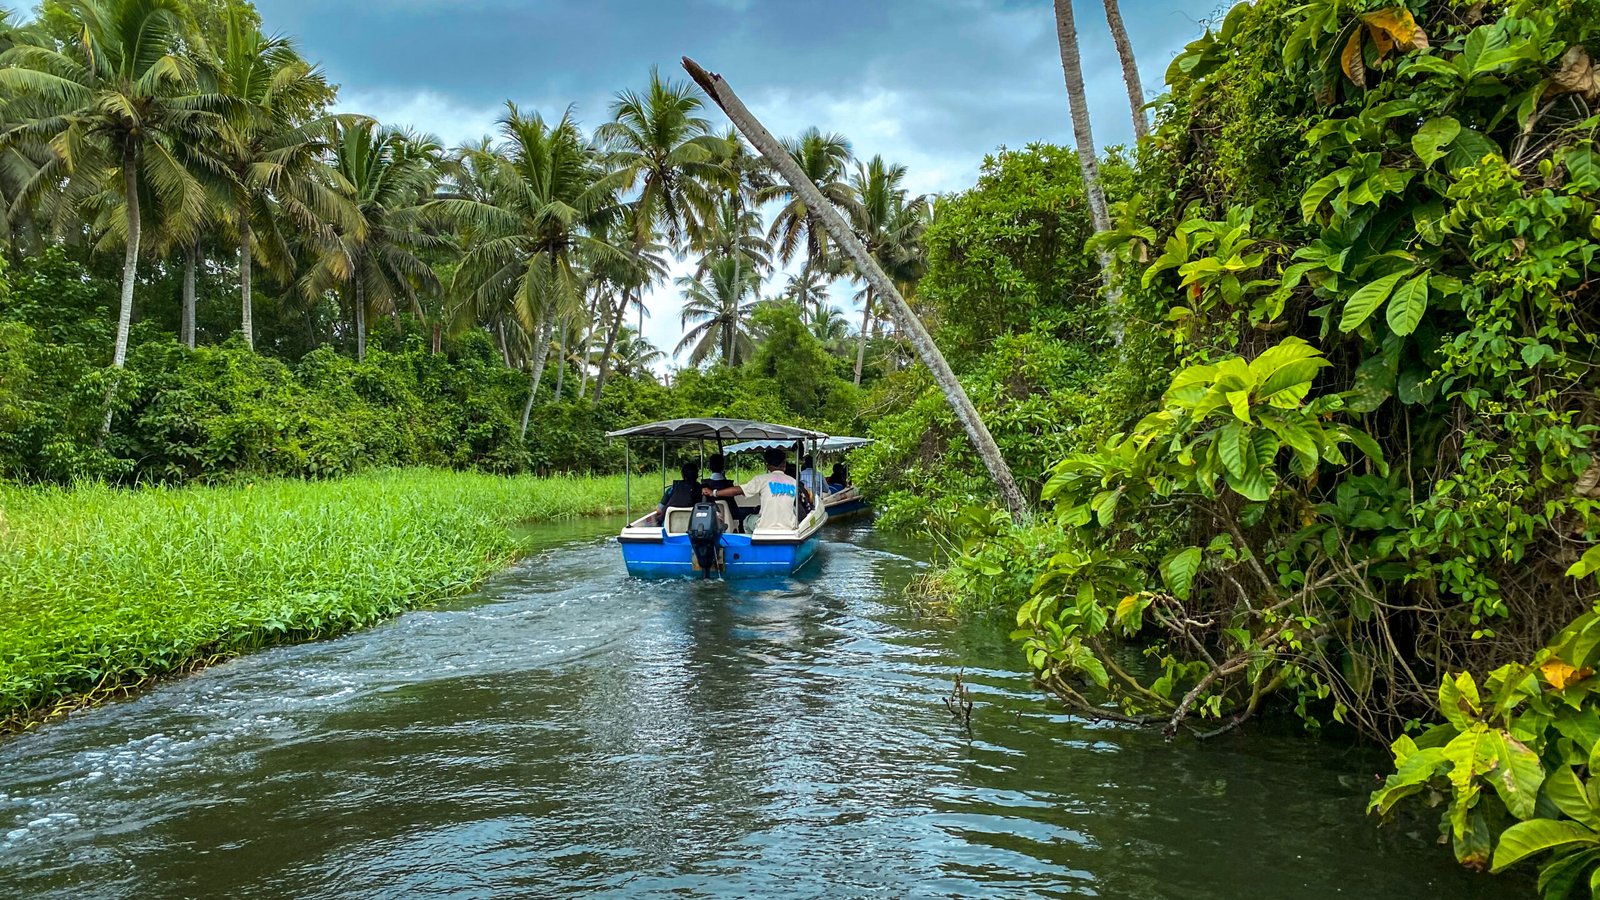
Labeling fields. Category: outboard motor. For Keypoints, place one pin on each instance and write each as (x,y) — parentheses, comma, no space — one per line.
(705,536)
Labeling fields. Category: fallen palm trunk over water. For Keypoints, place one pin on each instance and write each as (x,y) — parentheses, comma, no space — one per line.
(882,286)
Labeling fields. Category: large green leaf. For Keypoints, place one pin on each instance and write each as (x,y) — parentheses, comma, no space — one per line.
(1517,777)
(1178,570)
(1458,700)
(1366,300)
(1433,137)
(1319,191)
(1408,304)
(1566,790)
(1289,365)
(1231,446)
(1469,149)
(1524,839)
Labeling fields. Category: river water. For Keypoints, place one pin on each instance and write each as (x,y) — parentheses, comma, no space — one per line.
(570,731)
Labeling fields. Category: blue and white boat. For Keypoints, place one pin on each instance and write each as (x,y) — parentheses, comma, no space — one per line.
(671,548)
(844,503)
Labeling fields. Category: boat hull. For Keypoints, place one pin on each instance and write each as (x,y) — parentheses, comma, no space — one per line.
(671,556)
(845,509)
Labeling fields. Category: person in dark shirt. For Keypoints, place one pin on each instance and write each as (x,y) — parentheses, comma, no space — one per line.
(684,492)
(839,478)
(717,479)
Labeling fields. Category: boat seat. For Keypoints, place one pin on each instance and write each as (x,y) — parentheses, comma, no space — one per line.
(678,518)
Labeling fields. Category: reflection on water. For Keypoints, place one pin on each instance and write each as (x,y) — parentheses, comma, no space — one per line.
(572,731)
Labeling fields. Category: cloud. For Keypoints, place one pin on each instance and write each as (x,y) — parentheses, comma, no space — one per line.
(933,84)
(450,119)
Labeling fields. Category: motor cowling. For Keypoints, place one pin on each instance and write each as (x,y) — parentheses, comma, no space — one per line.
(705,537)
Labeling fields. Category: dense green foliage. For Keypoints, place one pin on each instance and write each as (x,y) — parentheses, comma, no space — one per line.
(101,588)
(481,291)
(1346,452)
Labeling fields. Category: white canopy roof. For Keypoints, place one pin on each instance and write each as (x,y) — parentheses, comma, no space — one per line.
(831,445)
(715,429)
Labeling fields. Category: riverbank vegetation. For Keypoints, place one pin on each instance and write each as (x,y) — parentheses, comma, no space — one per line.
(1300,387)
(1342,464)
(248,283)
(103,588)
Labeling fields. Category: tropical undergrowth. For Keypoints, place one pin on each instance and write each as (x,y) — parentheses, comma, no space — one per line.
(103,588)
(1361,247)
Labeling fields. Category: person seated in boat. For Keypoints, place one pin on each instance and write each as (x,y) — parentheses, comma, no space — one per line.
(717,479)
(838,479)
(811,478)
(684,492)
(776,490)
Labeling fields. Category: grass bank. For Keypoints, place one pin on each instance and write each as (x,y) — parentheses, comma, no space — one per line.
(103,589)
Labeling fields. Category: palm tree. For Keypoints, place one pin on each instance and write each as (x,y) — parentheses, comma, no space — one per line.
(824,159)
(891,227)
(661,145)
(113,103)
(371,257)
(1130,69)
(735,231)
(830,327)
(1083,136)
(808,289)
(635,355)
(838,229)
(273,147)
(546,199)
(720,304)
(640,266)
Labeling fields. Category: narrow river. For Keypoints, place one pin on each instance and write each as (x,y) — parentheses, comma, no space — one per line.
(569,731)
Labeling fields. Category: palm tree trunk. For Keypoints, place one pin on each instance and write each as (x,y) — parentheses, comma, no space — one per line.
(361,317)
(541,350)
(436,345)
(611,343)
(861,343)
(130,271)
(191,262)
(839,230)
(1083,136)
(1130,69)
(246,313)
(561,358)
(500,338)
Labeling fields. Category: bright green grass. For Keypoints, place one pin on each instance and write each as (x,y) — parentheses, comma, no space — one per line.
(101,587)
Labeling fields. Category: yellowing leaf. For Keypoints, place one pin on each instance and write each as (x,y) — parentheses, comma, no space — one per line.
(1396,23)
(1355,68)
(1557,673)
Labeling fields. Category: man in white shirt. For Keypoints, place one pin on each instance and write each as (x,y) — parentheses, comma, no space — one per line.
(779,494)
(812,479)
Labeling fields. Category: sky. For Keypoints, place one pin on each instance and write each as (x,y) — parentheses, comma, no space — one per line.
(933,84)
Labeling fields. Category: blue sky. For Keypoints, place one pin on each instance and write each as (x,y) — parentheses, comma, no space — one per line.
(933,84)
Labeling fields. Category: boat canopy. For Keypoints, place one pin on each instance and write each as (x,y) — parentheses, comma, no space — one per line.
(831,445)
(718,429)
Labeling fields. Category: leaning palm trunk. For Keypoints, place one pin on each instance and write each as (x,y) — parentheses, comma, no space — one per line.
(861,342)
(960,404)
(541,351)
(191,261)
(130,270)
(247,314)
(1083,135)
(1130,69)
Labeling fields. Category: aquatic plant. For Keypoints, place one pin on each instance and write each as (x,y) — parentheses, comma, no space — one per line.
(102,588)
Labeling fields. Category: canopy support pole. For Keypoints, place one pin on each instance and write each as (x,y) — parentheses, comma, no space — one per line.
(627,480)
